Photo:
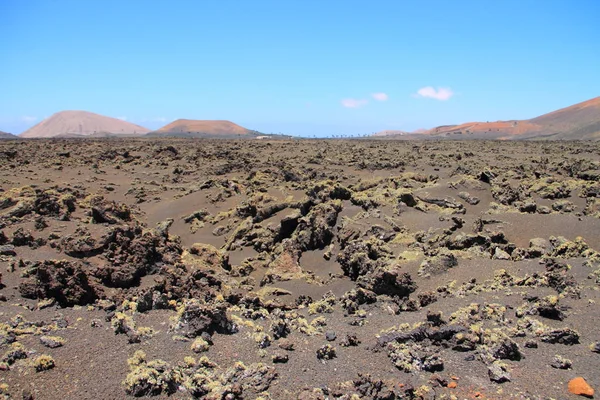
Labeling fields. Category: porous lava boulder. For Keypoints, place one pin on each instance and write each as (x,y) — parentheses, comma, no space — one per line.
(132,253)
(208,256)
(285,266)
(360,257)
(110,212)
(389,280)
(438,264)
(315,230)
(82,244)
(195,317)
(64,281)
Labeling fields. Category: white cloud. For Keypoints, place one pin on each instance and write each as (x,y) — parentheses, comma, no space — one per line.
(28,119)
(354,103)
(380,96)
(442,94)
(122,118)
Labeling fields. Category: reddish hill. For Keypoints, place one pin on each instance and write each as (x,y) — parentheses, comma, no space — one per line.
(200,128)
(577,122)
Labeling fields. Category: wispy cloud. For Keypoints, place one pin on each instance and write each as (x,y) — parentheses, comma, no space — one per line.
(380,96)
(441,93)
(354,103)
(122,118)
(29,119)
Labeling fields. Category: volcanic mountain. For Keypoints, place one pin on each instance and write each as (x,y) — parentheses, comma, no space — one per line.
(82,123)
(578,122)
(6,135)
(202,128)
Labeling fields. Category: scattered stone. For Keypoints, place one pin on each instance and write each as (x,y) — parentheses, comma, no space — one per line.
(500,254)
(350,341)
(438,264)
(330,336)
(195,317)
(52,341)
(326,352)
(580,387)
(200,345)
(280,358)
(560,362)
(43,363)
(531,344)
(498,372)
(7,250)
(286,344)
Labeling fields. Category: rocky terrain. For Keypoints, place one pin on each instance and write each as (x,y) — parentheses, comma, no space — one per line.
(299,269)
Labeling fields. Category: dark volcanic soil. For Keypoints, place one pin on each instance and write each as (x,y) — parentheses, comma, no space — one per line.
(298,269)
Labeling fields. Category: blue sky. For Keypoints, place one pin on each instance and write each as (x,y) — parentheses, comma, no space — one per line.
(304,67)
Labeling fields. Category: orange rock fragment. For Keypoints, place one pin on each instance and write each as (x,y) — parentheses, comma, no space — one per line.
(452,385)
(580,387)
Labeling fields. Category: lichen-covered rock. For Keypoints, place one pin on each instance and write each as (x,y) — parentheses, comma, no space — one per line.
(208,256)
(566,336)
(52,341)
(15,352)
(353,299)
(43,363)
(415,357)
(195,317)
(133,253)
(285,266)
(150,378)
(559,362)
(326,352)
(389,280)
(504,193)
(438,264)
(315,230)
(200,345)
(360,257)
(498,372)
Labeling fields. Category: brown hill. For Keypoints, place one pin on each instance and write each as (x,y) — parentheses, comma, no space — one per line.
(201,128)
(6,135)
(578,122)
(82,123)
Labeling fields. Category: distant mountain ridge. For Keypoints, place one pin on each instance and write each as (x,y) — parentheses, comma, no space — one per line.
(82,124)
(6,135)
(577,122)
